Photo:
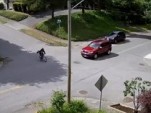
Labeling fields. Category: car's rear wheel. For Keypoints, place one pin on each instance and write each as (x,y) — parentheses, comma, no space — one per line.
(95,56)
(115,41)
(124,39)
(109,52)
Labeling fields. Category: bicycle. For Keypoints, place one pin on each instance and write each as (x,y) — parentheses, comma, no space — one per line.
(42,56)
(43,59)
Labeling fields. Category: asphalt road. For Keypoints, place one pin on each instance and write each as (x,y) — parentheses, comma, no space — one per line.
(24,80)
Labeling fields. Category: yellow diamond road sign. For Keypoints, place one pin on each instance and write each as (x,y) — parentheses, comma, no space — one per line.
(100,84)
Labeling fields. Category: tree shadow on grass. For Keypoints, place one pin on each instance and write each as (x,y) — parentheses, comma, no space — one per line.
(24,67)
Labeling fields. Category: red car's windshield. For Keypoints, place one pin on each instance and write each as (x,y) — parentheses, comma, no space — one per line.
(93,45)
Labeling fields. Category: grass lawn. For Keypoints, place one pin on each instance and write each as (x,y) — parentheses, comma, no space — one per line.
(17,16)
(90,25)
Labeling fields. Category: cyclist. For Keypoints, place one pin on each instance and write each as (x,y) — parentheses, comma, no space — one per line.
(41,53)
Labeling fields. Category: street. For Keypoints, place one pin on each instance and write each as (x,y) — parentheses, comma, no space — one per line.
(25,80)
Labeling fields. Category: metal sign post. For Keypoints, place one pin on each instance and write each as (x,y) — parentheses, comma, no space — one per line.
(100,100)
(100,84)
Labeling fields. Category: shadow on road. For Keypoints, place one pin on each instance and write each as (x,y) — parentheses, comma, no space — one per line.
(140,36)
(24,67)
(104,56)
(123,42)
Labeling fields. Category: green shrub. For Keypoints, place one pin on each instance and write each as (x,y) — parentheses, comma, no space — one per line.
(148,16)
(37,6)
(21,7)
(58,100)
(76,106)
(1,6)
(58,105)
(45,111)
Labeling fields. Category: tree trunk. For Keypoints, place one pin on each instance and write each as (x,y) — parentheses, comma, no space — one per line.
(83,11)
(52,12)
(7,4)
(135,111)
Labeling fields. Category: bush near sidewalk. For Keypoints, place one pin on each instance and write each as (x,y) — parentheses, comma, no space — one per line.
(59,105)
(17,16)
(145,101)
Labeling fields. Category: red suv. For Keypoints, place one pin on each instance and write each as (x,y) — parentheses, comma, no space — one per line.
(95,48)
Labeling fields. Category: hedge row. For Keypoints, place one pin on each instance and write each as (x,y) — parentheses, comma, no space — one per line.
(20,7)
(1,6)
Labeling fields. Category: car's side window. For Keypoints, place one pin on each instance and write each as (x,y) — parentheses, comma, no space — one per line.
(121,34)
(100,46)
(104,44)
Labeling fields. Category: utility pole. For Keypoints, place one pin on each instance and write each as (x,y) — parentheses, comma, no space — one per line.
(69,52)
(69,48)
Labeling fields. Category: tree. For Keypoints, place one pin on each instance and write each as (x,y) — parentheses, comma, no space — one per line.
(80,3)
(145,101)
(39,5)
(34,5)
(134,88)
(133,10)
(54,4)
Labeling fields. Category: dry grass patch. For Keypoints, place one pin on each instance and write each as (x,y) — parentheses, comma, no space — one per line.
(45,37)
(2,21)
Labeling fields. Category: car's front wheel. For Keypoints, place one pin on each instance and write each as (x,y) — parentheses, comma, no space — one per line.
(95,56)
(109,52)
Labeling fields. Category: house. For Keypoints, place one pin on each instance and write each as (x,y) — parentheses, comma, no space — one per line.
(7,3)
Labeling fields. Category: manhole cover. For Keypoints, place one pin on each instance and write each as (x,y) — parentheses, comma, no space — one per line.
(141,64)
(83,92)
(76,62)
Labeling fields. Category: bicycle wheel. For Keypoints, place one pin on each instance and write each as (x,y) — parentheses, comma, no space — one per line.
(45,59)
